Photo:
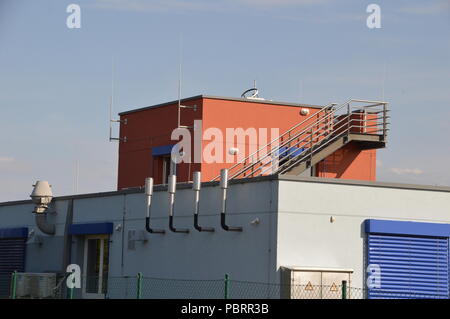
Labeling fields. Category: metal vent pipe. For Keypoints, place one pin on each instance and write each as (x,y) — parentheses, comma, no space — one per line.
(224,187)
(172,187)
(148,195)
(196,187)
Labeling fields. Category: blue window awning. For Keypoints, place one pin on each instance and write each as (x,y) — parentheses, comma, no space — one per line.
(396,227)
(162,150)
(91,229)
(20,232)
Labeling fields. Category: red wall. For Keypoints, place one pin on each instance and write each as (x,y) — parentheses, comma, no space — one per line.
(146,129)
(350,162)
(233,114)
(152,127)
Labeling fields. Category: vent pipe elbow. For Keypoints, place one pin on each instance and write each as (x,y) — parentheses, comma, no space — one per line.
(196,187)
(224,187)
(148,195)
(172,187)
(44,225)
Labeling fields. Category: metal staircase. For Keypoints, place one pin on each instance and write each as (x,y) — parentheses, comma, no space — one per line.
(316,137)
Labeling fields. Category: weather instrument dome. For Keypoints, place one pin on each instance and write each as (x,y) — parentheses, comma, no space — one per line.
(41,195)
(251,94)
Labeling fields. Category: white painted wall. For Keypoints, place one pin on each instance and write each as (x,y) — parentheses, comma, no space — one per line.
(307,238)
(294,230)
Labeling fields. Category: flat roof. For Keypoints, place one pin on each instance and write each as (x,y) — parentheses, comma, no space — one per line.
(212,97)
(323,180)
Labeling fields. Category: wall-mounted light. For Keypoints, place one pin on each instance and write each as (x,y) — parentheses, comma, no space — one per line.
(233,151)
(304,111)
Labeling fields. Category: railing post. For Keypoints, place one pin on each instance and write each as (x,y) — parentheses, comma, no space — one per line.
(227,287)
(344,289)
(139,285)
(71,292)
(349,118)
(13,284)
(384,121)
(311,147)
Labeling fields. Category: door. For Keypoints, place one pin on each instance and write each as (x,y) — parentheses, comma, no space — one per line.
(95,266)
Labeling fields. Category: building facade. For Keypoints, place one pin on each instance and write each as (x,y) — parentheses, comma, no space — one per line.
(283,229)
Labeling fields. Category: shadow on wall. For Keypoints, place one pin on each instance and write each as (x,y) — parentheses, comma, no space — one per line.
(349,162)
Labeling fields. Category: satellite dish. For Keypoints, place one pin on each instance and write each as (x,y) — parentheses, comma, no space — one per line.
(253,95)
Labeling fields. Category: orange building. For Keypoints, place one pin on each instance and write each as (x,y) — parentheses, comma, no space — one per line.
(214,123)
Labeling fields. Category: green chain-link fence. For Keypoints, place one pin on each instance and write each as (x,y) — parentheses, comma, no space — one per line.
(141,287)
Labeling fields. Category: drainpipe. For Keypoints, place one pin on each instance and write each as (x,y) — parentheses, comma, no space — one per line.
(149,194)
(196,187)
(68,238)
(171,189)
(224,187)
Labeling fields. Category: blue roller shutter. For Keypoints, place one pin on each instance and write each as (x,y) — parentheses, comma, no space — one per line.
(413,263)
(12,256)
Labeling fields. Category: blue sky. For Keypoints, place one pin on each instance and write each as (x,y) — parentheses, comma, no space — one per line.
(55,82)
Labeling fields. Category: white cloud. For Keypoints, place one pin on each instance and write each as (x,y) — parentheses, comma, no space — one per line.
(407,171)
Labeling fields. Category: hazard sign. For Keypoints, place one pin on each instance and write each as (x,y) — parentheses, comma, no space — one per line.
(334,287)
(309,286)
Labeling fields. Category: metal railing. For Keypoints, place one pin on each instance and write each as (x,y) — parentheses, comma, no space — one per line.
(312,135)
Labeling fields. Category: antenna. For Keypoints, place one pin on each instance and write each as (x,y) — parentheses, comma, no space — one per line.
(111,104)
(180,55)
(254,93)
(180,106)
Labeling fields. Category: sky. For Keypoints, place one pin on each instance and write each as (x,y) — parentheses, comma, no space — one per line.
(55,82)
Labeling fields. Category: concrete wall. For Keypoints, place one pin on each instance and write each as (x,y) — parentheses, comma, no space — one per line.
(47,257)
(248,255)
(307,238)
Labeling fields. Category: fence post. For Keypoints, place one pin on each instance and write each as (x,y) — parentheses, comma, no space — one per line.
(227,286)
(72,289)
(344,289)
(139,285)
(71,293)
(13,284)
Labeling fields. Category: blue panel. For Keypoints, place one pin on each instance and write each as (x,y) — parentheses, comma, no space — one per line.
(407,228)
(21,232)
(291,151)
(91,229)
(411,267)
(162,150)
